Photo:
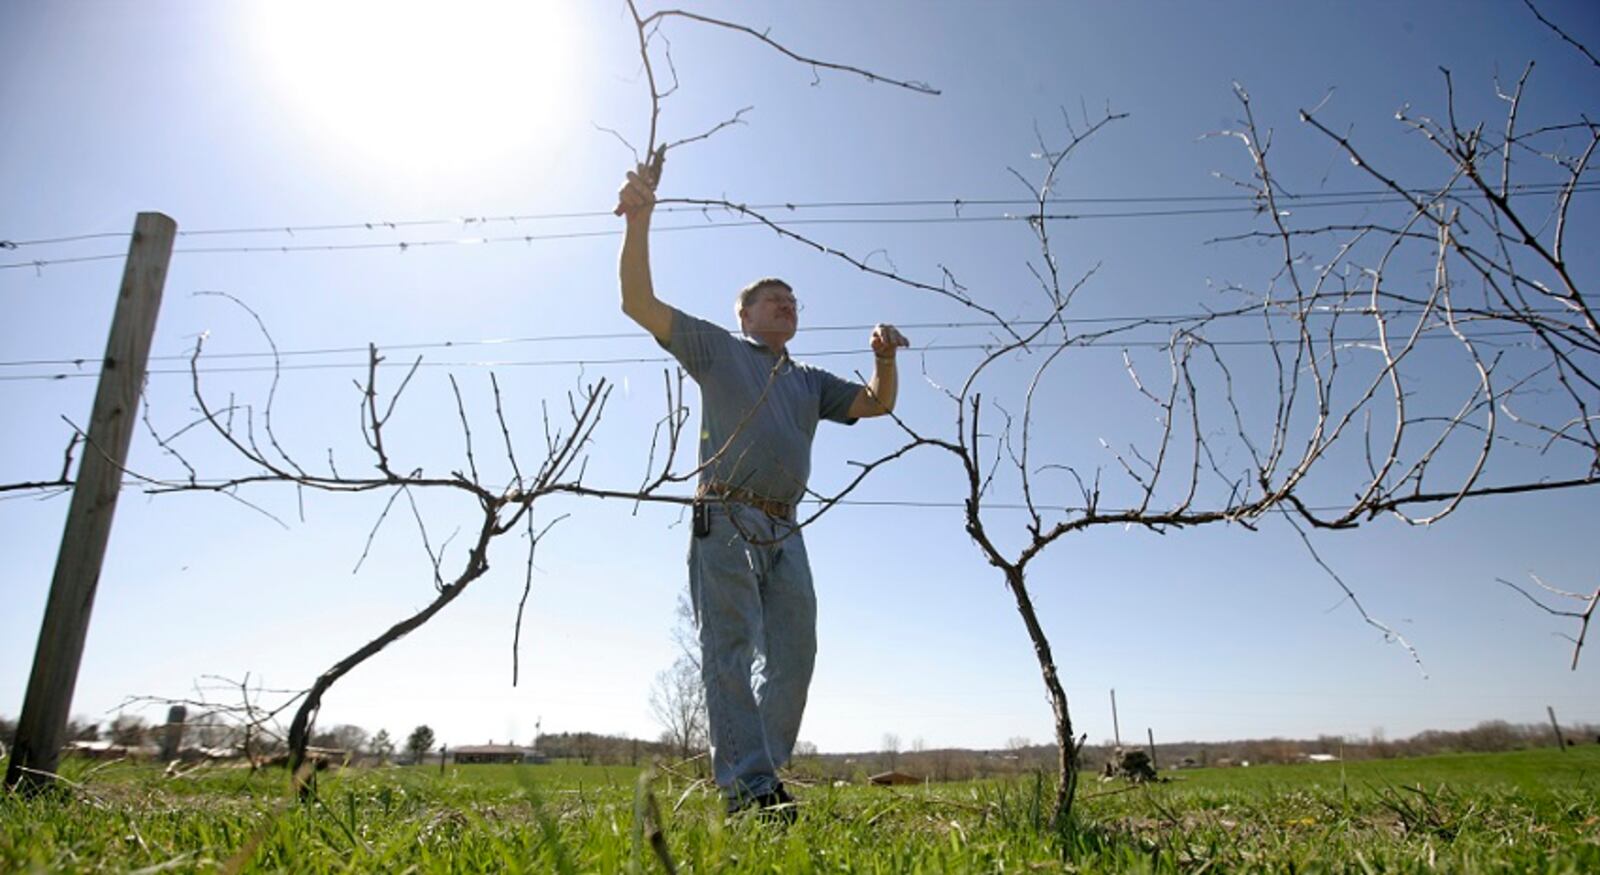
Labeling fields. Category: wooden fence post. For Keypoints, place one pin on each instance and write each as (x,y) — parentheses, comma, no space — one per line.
(172,733)
(1116,728)
(41,728)
(1556,728)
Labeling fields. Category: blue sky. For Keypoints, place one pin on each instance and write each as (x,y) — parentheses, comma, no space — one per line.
(290,115)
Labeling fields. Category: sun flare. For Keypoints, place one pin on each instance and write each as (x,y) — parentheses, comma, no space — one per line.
(415,87)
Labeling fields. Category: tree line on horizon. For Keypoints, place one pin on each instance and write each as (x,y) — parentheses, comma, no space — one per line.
(1018,755)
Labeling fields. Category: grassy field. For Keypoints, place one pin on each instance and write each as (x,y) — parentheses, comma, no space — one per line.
(1531,811)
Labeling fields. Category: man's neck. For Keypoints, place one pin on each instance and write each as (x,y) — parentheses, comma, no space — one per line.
(774,343)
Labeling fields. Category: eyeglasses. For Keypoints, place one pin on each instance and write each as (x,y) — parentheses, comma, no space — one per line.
(799,307)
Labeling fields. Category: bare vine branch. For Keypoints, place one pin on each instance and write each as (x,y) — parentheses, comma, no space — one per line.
(912,85)
(1582,616)
(1561,33)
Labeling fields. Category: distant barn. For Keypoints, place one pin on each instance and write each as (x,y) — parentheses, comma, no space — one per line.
(493,753)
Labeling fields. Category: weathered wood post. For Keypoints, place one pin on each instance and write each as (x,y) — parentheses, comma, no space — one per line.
(1116,728)
(43,723)
(172,733)
(1556,728)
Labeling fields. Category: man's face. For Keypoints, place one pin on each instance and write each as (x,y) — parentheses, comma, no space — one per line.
(774,311)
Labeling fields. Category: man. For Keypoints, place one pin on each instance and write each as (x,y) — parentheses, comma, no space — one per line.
(749,578)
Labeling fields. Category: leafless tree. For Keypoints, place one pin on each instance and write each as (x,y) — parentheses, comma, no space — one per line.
(678,697)
(678,701)
(504,508)
(1365,415)
(891,751)
(1017,749)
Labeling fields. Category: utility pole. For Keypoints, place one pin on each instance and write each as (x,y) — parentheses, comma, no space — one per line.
(43,723)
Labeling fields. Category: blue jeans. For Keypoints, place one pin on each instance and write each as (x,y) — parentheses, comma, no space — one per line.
(757,615)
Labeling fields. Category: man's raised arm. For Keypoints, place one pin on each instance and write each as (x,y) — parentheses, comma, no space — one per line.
(877,398)
(637,201)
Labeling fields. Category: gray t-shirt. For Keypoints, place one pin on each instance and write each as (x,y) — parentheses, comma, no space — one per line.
(768,446)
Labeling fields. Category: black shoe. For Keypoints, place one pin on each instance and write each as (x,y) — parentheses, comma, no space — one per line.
(775,806)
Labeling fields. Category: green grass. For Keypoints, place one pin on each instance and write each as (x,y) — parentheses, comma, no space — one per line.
(1532,811)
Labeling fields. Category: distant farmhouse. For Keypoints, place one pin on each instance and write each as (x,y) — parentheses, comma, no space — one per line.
(496,753)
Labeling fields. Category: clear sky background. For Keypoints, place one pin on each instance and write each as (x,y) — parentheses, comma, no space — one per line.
(270,116)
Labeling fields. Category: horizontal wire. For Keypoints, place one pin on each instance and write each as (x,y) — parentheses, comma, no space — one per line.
(1381,196)
(77,259)
(406,245)
(70,238)
(627,360)
(1152,320)
(926,504)
(634,335)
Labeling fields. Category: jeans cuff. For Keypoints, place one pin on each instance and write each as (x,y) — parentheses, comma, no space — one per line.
(745,790)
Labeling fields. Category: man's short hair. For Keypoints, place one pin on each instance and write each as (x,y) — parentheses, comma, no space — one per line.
(747,295)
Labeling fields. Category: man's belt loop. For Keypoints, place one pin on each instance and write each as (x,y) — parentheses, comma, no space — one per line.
(776,509)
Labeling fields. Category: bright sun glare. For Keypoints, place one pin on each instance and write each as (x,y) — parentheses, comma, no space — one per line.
(421,88)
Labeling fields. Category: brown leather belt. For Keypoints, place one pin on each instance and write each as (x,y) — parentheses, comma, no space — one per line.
(771,508)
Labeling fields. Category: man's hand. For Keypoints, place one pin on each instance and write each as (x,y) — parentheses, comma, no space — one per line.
(877,397)
(886,339)
(637,197)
